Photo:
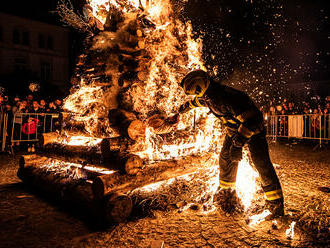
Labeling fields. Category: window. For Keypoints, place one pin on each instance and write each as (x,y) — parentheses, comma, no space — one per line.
(45,71)
(41,41)
(21,36)
(16,36)
(50,43)
(26,38)
(20,65)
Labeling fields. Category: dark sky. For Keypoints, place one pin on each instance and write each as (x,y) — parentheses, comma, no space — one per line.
(42,10)
(264,45)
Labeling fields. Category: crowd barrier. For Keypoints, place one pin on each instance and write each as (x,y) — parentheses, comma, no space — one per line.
(309,126)
(25,127)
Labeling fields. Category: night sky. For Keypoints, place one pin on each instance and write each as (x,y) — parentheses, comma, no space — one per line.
(261,45)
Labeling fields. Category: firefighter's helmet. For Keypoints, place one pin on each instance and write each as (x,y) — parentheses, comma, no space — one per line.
(196,83)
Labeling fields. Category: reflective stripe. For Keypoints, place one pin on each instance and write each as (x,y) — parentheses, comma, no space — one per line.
(227,185)
(198,103)
(191,105)
(274,195)
(230,131)
(245,131)
(223,119)
(232,121)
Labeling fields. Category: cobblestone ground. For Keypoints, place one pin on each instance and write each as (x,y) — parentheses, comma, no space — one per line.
(28,221)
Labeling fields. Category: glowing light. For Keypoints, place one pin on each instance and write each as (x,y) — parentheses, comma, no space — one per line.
(246,185)
(256,219)
(83,141)
(290,231)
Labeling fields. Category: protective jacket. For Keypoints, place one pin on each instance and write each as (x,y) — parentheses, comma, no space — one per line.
(233,107)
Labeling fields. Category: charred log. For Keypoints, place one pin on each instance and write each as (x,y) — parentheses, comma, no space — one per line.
(126,124)
(34,170)
(125,162)
(157,172)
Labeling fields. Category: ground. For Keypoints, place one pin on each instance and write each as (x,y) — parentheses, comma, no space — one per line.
(28,220)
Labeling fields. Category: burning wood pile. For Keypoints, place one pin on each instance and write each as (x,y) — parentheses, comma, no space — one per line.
(117,143)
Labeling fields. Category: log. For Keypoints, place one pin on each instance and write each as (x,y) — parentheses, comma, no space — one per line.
(126,163)
(91,149)
(127,124)
(157,172)
(160,125)
(110,152)
(78,192)
(119,207)
(87,171)
(131,164)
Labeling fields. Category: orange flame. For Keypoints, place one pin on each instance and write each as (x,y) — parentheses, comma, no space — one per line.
(172,52)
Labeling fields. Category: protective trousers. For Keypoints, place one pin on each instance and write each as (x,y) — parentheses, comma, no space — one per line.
(259,152)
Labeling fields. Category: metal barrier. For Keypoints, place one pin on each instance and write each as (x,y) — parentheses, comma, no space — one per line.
(27,126)
(309,126)
(3,129)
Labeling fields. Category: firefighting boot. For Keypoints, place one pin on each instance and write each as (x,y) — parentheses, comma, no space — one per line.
(228,201)
(276,208)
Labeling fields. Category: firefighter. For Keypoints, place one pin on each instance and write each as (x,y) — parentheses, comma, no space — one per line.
(244,125)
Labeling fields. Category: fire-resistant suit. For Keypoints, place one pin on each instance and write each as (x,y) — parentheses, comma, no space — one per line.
(244,124)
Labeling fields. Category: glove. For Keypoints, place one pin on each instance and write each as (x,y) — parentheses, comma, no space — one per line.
(173,120)
(235,153)
(239,140)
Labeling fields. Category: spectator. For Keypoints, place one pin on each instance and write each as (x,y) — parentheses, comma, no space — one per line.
(29,100)
(58,105)
(51,108)
(42,106)
(35,107)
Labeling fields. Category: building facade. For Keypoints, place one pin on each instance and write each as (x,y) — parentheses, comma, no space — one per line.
(32,50)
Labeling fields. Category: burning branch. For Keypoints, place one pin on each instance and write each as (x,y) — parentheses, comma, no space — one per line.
(68,16)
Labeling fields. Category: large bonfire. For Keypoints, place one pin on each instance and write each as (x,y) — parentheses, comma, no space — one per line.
(136,53)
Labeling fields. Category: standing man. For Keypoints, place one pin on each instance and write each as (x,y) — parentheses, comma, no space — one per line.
(244,125)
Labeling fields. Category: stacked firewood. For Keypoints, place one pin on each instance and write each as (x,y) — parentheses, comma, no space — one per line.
(84,162)
(116,55)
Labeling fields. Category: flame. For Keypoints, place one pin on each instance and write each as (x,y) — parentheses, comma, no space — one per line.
(246,182)
(203,140)
(256,219)
(72,170)
(171,52)
(290,231)
(83,141)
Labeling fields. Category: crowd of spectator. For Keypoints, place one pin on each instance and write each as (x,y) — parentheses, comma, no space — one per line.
(299,118)
(24,117)
(299,108)
(29,104)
